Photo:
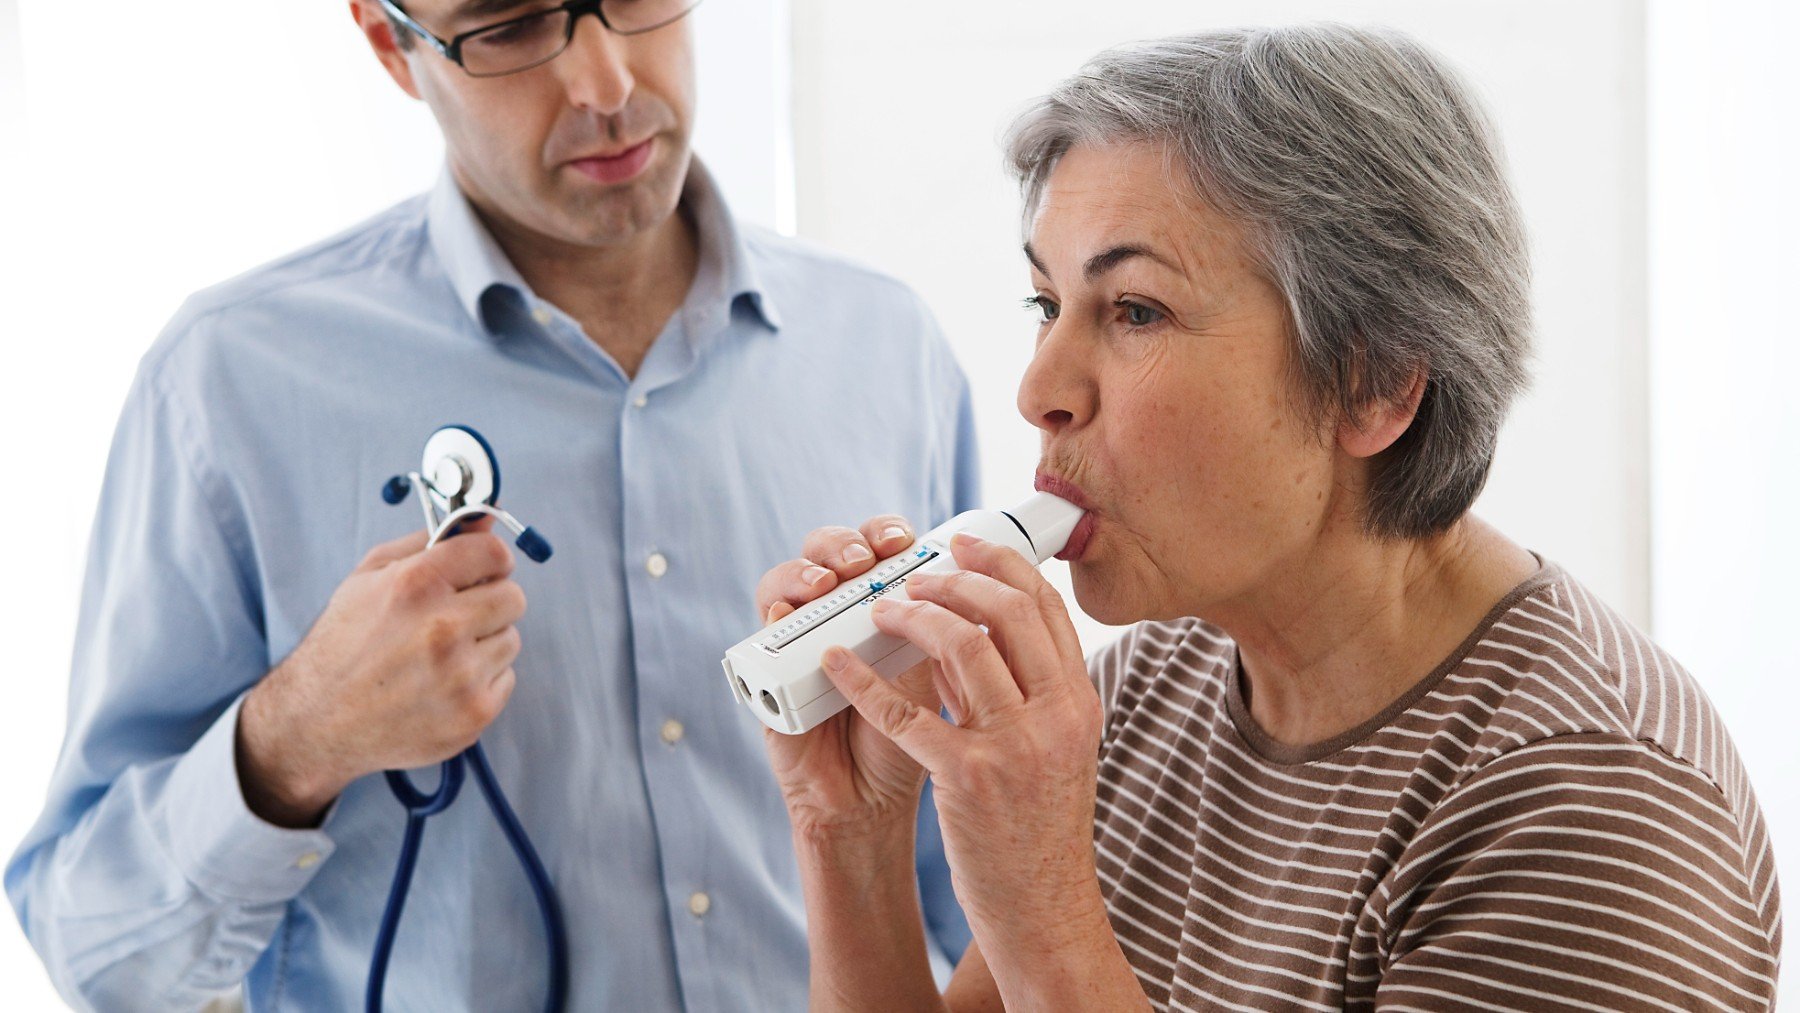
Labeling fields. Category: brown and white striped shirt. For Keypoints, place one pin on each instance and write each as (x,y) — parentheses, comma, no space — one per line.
(1553,819)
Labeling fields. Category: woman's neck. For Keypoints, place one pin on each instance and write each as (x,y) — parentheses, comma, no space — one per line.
(1335,637)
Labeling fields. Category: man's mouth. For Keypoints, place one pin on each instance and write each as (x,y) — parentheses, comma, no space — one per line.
(616,166)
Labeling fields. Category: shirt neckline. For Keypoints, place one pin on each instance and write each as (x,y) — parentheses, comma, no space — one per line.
(1267,747)
(475,265)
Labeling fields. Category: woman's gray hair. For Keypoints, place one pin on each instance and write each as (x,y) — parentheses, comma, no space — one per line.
(1371,188)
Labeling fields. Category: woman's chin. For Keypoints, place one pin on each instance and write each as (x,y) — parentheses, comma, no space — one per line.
(1104,599)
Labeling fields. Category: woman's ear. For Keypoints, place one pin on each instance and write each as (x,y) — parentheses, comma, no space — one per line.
(1377,427)
(379,31)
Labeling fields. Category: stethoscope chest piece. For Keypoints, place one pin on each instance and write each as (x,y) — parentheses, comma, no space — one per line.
(459,478)
(461,467)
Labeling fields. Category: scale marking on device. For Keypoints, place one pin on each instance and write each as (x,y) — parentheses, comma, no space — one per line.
(816,614)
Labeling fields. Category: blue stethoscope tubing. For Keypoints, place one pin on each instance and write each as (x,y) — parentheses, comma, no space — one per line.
(420,806)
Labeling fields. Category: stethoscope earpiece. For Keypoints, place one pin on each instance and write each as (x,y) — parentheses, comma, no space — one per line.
(394,491)
(535,547)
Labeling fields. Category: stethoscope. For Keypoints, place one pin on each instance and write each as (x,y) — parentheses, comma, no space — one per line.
(459,480)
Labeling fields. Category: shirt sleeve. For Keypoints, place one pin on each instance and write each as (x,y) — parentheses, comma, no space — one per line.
(956,486)
(954,475)
(1583,872)
(965,453)
(147,883)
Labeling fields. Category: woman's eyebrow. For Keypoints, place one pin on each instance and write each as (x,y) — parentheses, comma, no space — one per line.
(1105,260)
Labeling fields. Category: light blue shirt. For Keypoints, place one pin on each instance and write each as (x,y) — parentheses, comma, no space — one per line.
(791,390)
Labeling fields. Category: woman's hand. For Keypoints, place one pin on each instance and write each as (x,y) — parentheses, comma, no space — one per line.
(843,780)
(1015,773)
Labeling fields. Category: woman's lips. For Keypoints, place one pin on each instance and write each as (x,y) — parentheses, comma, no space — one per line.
(1056,485)
(616,168)
(1078,539)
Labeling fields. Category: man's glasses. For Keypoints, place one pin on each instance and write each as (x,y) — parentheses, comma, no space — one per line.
(527,41)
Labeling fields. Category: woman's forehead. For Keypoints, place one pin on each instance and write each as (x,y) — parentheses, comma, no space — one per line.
(1101,199)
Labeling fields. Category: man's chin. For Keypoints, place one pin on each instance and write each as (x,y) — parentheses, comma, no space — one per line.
(608,216)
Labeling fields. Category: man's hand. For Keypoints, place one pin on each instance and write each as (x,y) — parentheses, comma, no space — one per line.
(410,662)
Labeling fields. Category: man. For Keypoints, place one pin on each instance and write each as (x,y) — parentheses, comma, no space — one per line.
(675,400)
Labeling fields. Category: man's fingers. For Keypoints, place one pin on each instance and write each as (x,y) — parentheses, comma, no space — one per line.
(413,544)
(978,676)
(388,552)
(795,582)
(887,534)
(498,650)
(488,608)
(470,559)
(500,690)
(919,731)
(841,549)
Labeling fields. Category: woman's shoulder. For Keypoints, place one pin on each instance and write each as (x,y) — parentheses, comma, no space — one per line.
(1561,672)
(1560,661)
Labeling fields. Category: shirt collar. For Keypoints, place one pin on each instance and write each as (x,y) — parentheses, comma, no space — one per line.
(476,265)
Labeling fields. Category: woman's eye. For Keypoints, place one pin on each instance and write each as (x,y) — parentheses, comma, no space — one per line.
(1137,314)
(1047,308)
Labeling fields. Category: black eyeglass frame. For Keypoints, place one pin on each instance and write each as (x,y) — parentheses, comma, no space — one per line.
(451,49)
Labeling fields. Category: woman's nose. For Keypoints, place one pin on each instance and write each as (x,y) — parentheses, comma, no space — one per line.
(1057,391)
(595,70)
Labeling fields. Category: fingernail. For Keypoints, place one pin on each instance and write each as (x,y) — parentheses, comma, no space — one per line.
(856,553)
(964,538)
(892,532)
(814,574)
(883,607)
(835,659)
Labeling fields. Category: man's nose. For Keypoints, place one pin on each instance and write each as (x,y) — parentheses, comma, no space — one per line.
(594,70)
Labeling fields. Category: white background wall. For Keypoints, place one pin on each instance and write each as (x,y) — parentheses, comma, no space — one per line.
(257,128)
(1724,146)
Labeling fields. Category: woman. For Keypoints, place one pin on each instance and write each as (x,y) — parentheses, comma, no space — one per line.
(1361,749)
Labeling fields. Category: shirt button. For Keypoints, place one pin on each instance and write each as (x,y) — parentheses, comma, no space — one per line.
(307,861)
(672,731)
(541,315)
(657,564)
(699,904)
(640,401)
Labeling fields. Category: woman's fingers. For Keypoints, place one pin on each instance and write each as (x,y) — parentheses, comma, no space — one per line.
(1003,564)
(917,730)
(977,675)
(829,557)
(1014,624)
(794,582)
(887,534)
(841,549)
